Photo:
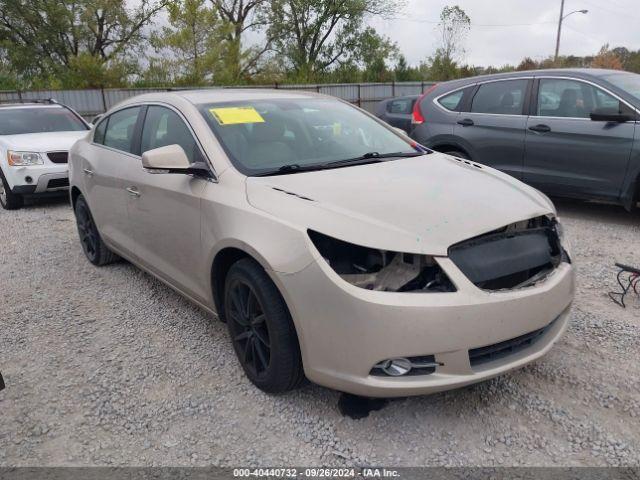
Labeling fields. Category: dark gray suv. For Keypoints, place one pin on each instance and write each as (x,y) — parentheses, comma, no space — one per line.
(568,132)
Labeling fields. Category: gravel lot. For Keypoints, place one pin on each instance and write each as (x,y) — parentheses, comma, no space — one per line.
(110,367)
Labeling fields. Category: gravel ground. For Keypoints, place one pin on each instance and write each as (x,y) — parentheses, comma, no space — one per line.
(110,367)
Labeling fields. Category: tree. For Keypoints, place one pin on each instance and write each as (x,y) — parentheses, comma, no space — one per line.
(606,59)
(243,16)
(453,27)
(314,36)
(191,46)
(527,63)
(402,73)
(45,38)
(374,53)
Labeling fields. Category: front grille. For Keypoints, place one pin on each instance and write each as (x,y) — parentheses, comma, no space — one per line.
(481,355)
(58,183)
(511,257)
(58,157)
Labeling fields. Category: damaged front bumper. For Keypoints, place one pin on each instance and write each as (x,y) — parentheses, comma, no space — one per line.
(345,331)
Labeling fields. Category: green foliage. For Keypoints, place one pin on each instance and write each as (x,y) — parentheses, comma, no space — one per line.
(315,36)
(72,43)
(189,50)
(114,43)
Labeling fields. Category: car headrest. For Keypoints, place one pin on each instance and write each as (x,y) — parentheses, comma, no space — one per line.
(507,100)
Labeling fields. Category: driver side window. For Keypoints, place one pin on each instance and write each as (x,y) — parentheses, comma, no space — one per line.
(162,127)
(559,97)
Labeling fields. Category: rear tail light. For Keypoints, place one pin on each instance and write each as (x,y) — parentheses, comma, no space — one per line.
(416,116)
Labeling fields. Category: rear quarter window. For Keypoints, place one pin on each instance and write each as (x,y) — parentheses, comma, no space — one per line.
(452,100)
(401,106)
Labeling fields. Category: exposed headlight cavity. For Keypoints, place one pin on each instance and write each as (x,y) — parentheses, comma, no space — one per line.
(381,270)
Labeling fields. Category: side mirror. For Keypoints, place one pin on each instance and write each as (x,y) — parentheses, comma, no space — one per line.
(172,159)
(610,115)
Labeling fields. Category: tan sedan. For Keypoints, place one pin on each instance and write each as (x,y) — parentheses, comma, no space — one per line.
(332,245)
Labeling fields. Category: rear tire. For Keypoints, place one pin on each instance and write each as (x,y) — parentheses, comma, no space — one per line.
(94,248)
(261,329)
(457,154)
(8,199)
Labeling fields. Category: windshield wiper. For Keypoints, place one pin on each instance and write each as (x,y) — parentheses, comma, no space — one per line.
(291,168)
(371,157)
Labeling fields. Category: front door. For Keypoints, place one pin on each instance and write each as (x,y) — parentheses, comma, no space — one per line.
(495,124)
(566,153)
(164,208)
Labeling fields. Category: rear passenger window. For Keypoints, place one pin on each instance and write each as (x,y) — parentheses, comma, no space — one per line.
(401,106)
(504,97)
(120,127)
(452,101)
(162,127)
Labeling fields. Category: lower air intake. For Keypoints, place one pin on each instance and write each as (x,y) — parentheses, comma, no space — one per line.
(497,351)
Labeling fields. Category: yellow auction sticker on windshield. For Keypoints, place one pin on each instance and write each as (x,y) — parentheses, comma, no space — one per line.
(236,115)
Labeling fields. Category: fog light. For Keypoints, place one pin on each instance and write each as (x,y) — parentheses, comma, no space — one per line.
(396,367)
(28,179)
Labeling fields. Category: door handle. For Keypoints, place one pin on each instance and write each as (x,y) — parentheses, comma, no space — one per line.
(467,122)
(540,128)
(87,172)
(132,191)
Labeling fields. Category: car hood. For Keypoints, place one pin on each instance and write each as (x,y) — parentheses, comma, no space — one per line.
(42,142)
(415,205)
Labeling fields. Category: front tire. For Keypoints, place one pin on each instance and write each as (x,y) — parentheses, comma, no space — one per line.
(8,199)
(261,329)
(94,248)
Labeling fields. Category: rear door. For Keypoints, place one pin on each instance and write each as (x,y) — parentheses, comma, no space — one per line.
(566,152)
(111,155)
(494,124)
(164,208)
(398,112)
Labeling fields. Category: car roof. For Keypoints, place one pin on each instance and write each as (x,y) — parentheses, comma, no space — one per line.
(569,72)
(593,74)
(30,105)
(213,95)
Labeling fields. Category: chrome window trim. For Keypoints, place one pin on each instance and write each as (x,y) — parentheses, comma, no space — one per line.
(588,82)
(479,84)
(442,107)
(170,107)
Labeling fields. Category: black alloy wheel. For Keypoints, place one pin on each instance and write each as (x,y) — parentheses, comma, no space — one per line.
(261,328)
(87,231)
(249,329)
(94,248)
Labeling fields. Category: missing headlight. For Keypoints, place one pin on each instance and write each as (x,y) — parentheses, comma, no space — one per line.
(381,270)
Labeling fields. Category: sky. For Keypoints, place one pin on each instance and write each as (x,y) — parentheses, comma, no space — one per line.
(506,31)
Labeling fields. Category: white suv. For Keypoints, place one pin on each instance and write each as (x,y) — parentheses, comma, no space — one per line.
(35,139)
